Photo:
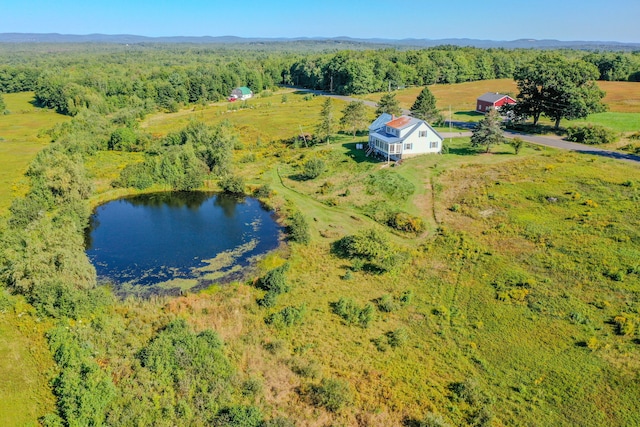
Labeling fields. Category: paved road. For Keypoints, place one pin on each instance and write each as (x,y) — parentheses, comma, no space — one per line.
(533,139)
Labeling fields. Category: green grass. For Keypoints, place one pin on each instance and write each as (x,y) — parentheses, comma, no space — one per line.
(566,222)
(618,122)
(19,142)
(25,363)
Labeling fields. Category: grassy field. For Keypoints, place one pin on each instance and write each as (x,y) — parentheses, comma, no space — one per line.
(25,366)
(542,348)
(622,98)
(19,142)
(522,286)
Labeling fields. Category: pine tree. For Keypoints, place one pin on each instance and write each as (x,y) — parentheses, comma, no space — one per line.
(389,104)
(488,132)
(354,116)
(425,107)
(325,127)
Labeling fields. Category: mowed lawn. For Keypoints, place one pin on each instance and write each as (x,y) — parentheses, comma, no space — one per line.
(19,142)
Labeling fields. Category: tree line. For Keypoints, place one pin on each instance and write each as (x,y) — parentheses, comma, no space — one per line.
(138,80)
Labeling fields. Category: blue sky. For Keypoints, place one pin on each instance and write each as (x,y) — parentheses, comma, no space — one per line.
(612,20)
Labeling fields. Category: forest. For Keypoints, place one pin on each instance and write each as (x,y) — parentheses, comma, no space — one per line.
(401,296)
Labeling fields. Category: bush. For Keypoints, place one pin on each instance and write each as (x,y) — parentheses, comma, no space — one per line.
(331,394)
(262,192)
(123,139)
(398,337)
(349,311)
(402,221)
(275,280)
(386,304)
(313,168)
(239,416)
(287,317)
(232,184)
(390,183)
(591,134)
(298,228)
(138,176)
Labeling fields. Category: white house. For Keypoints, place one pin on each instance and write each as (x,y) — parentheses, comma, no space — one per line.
(240,93)
(401,137)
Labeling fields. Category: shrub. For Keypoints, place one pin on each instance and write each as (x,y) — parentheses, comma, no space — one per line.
(238,416)
(313,168)
(123,139)
(331,394)
(138,176)
(262,192)
(287,317)
(373,247)
(390,183)
(275,281)
(402,221)
(398,337)
(299,228)
(386,304)
(517,144)
(232,184)
(349,311)
(590,134)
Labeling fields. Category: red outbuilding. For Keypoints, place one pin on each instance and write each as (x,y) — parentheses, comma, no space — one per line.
(492,100)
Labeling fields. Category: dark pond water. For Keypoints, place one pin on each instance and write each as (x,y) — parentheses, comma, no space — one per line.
(152,238)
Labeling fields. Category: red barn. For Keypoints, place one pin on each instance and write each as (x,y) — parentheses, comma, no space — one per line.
(492,100)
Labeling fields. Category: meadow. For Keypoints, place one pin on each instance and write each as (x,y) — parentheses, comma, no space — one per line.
(515,284)
(515,305)
(20,140)
(622,99)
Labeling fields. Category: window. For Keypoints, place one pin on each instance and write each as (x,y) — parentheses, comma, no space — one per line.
(422,134)
(433,144)
(408,146)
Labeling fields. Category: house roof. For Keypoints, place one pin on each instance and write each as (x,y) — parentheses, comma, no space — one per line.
(402,122)
(244,90)
(399,123)
(380,121)
(492,97)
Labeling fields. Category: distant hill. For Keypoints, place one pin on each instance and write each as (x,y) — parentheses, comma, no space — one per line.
(134,39)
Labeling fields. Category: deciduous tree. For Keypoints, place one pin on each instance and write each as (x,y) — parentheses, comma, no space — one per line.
(558,88)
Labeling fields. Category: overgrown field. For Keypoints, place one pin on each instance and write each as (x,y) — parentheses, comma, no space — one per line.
(456,289)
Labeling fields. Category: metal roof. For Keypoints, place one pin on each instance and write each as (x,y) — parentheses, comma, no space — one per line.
(380,121)
(244,90)
(492,97)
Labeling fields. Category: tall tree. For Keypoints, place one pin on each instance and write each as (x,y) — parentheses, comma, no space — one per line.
(354,116)
(324,129)
(425,107)
(558,88)
(389,104)
(488,132)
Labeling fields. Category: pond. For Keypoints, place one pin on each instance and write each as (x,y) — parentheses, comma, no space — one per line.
(178,237)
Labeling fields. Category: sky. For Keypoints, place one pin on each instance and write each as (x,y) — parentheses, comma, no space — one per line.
(591,20)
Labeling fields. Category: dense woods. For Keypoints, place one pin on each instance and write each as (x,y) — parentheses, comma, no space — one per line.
(136,80)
